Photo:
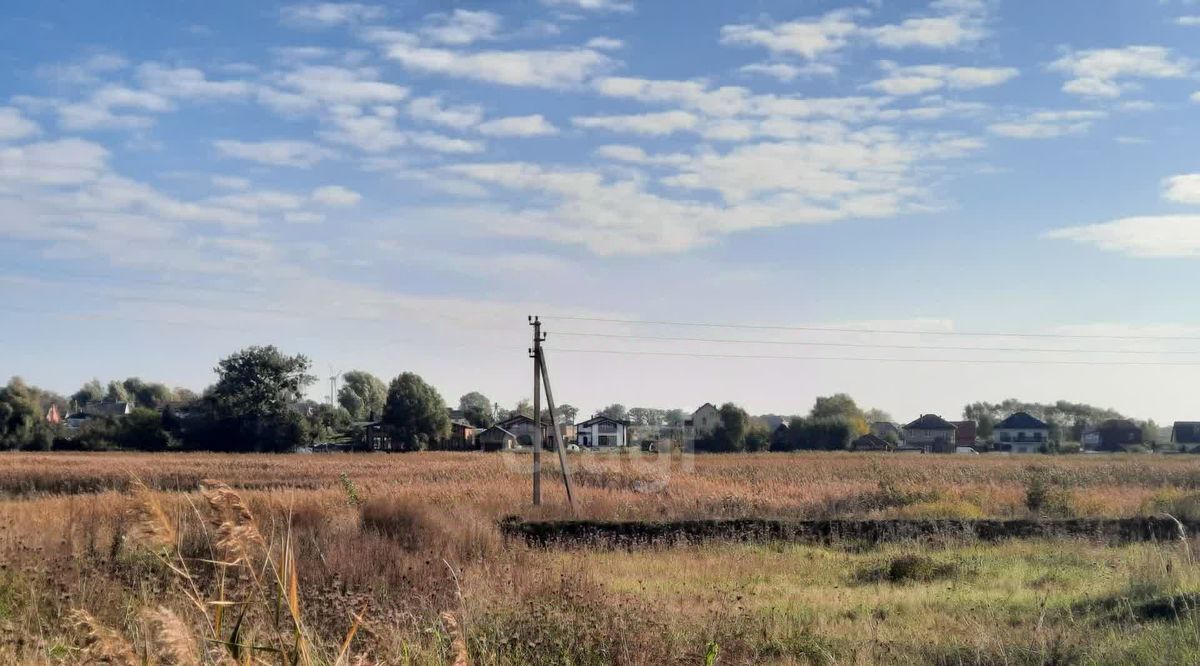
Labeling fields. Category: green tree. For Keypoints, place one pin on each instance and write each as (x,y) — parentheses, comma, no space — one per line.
(758,438)
(615,411)
(148,394)
(415,412)
(477,409)
(839,407)
(260,383)
(675,417)
(730,435)
(363,395)
(142,430)
(89,392)
(116,392)
(567,413)
(22,425)
(646,416)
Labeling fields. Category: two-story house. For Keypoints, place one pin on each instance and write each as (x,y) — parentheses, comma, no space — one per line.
(1022,433)
(932,433)
(704,421)
(602,432)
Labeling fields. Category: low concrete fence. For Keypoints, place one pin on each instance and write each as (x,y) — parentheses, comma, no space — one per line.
(635,533)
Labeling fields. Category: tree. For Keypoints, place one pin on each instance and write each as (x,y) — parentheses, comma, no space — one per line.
(615,411)
(89,392)
(758,438)
(21,422)
(415,412)
(524,408)
(143,430)
(362,395)
(833,406)
(877,416)
(260,382)
(567,413)
(730,435)
(150,394)
(675,417)
(477,409)
(646,416)
(985,425)
(116,392)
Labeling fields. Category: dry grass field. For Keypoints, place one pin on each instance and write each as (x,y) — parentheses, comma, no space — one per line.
(364,559)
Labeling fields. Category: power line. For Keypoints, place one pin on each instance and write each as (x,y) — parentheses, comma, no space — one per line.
(876,360)
(809,343)
(832,329)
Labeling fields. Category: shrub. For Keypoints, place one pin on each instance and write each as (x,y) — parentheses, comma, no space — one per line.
(909,569)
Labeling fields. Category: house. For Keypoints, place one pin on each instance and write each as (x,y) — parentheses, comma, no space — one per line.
(965,433)
(1114,435)
(1022,433)
(522,427)
(603,432)
(376,437)
(53,417)
(704,421)
(462,436)
(781,438)
(1186,434)
(76,420)
(869,442)
(887,430)
(497,438)
(108,408)
(930,432)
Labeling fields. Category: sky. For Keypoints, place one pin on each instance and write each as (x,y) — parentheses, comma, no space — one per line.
(922,204)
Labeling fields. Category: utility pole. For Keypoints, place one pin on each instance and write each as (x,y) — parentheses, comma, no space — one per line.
(536,353)
(542,376)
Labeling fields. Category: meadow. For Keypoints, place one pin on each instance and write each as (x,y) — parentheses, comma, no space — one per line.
(396,559)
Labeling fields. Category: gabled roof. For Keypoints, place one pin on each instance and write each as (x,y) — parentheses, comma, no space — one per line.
(1022,421)
(520,418)
(599,418)
(869,441)
(930,422)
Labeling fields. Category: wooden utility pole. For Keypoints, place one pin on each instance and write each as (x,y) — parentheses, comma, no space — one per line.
(536,353)
(542,376)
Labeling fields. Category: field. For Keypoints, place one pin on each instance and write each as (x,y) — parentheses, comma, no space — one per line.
(135,558)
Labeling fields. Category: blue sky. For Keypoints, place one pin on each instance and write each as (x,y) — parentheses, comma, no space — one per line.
(395,187)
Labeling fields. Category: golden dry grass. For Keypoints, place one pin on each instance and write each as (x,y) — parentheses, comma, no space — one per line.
(403,549)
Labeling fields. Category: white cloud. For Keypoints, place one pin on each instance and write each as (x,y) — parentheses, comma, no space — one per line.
(445,144)
(463,27)
(62,162)
(1152,236)
(808,37)
(605,44)
(430,109)
(957,23)
(652,124)
(1106,72)
(723,101)
(1183,189)
(230,182)
(302,154)
(1047,124)
(99,110)
(592,5)
(186,82)
(336,196)
(374,131)
(922,79)
(518,126)
(258,201)
(340,85)
(1195,97)
(84,72)
(303,217)
(1188,21)
(636,155)
(14,125)
(328,14)
(787,72)
(532,68)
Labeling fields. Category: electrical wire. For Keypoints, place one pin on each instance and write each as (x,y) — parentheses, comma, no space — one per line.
(832,329)
(874,359)
(809,343)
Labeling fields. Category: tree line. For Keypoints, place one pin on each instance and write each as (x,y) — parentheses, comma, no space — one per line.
(257,404)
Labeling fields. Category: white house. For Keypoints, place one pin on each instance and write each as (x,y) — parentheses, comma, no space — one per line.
(1022,433)
(603,432)
(704,420)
